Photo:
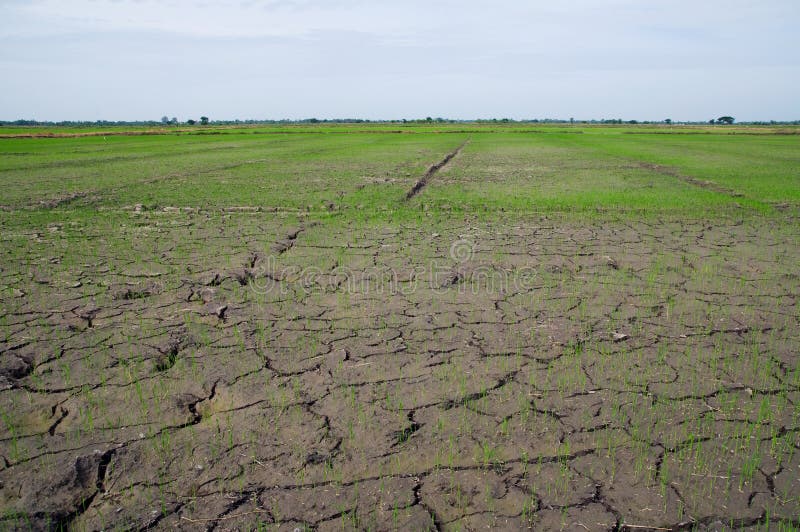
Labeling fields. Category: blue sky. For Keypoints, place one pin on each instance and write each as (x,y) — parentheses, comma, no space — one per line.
(378,59)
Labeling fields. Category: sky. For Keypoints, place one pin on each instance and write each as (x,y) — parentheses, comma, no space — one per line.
(381,59)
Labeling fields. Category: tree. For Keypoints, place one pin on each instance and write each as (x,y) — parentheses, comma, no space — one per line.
(668,121)
(165,119)
(725,120)
(204,120)
(191,122)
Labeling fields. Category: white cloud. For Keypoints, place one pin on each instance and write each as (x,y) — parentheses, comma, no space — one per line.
(350,57)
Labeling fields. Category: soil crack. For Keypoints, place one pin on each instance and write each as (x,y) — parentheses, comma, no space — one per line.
(423,181)
(702,183)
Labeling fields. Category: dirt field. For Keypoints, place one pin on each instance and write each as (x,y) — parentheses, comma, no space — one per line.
(535,332)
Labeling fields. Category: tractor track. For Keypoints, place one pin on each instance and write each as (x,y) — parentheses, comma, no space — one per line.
(422,182)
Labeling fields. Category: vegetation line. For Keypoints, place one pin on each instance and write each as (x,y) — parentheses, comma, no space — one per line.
(423,181)
(673,172)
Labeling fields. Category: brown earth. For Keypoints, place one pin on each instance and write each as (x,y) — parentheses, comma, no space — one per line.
(236,369)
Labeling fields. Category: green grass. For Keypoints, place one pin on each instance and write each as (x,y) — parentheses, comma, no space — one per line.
(557,173)
(521,385)
(364,171)
(762,168)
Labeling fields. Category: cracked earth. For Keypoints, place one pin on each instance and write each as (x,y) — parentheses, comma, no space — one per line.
(294,367)
(240,369)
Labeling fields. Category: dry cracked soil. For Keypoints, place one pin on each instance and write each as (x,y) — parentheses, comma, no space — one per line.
(242,368)
(249,370)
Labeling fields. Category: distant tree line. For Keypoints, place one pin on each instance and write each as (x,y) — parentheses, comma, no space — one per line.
(80,123)
(204,120)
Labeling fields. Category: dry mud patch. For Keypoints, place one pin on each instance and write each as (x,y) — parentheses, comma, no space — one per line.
(225,371)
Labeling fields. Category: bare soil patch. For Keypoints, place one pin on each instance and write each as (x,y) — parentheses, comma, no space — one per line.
(561,375)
